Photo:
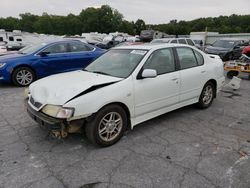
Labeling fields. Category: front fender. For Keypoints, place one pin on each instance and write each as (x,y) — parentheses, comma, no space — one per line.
(90,103)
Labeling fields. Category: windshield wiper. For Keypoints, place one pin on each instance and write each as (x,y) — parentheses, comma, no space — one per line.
(99,72)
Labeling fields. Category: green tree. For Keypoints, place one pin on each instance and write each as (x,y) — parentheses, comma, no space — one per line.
(139,26)
(27,22)
(44,24)
(106,19)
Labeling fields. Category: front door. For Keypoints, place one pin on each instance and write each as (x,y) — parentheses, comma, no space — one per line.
(153,94)
(192,73)
(57,58)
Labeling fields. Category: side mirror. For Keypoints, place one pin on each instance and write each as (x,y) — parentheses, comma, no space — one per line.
(43,54)
(149,73)
(237,47)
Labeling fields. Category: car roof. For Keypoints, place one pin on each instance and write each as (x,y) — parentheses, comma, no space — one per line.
(173,38)
(151,46)
(162,39)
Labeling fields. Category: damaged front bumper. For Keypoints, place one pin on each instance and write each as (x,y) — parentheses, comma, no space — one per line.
(59,128)
(45,121)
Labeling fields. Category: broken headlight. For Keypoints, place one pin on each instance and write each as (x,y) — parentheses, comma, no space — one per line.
(58,111)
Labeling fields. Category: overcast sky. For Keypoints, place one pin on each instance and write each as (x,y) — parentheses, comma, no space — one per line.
(151,11)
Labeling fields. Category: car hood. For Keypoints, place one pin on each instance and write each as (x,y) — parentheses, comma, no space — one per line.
(216,50)
(10,56)
(59,89)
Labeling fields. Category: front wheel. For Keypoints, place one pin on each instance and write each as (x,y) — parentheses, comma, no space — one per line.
(23,76)
(107,126)
(207,95)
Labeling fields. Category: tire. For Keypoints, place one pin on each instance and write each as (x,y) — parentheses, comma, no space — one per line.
(207,96)
(102,131)
(23,76)
(231,74)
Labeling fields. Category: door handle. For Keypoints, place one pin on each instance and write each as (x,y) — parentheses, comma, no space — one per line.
(203,71)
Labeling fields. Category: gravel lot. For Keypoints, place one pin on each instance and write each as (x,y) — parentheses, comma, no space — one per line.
(185,148)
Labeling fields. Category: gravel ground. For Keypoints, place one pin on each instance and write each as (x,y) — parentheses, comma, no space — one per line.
(185,148)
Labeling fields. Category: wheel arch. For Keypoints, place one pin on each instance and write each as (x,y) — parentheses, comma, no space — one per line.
(24,65)
(124,107)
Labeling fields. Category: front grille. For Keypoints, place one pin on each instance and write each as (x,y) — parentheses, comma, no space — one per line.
(38,105)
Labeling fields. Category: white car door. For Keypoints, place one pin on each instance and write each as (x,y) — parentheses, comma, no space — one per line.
(162,91)
(192,73)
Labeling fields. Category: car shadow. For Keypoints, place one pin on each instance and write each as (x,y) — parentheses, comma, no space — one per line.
(80,138)
(5,85)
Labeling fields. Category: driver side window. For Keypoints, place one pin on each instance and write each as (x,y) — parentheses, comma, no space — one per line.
(56,49)
(162,61)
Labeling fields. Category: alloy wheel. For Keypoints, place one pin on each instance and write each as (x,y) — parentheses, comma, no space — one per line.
(208,95)
(110,126)
(24,77)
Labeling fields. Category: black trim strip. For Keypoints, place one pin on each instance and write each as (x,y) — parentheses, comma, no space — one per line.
(92,88)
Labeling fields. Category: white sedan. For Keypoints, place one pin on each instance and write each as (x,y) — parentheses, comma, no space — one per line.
(124,87)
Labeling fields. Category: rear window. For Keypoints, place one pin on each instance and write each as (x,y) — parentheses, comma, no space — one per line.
(182,41)
(186,57)
(190,42)
(79,47)
(199,58)
(174,41)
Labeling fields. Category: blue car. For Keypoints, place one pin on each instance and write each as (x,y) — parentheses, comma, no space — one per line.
(44,59)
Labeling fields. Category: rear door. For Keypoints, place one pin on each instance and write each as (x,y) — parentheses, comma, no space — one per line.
(192,73)
(153,94)
(81,55)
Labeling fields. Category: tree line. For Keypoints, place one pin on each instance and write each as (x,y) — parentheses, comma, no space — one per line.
(106,19)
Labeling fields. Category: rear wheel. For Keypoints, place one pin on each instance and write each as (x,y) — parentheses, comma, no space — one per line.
(23,76)
(207,95)
(107,126)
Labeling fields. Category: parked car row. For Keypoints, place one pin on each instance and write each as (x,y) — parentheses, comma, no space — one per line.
(123,87)
(227,49)
(43,59)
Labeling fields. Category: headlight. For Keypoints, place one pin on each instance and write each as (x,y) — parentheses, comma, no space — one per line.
(2,65)
(58,111)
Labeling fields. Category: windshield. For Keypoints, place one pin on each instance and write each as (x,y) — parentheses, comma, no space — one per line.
(223,44)
(31,48)
(118,62)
